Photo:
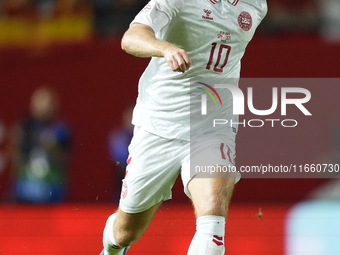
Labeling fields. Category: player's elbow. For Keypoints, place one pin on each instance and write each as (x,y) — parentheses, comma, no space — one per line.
(124,43)
(128,43)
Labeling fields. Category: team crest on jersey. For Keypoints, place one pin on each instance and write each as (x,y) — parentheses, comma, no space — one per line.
(224,36)
(245,21)
(207,14)
(147,8)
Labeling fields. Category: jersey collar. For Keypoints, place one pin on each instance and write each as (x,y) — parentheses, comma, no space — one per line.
(233,2)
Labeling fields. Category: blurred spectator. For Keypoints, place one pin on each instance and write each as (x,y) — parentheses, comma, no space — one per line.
(119,140)
(114,16)
(291,16)
(73,7)
(330,19)
(331,189)
(44,8)
(312,226)
(18,8)
(40,152)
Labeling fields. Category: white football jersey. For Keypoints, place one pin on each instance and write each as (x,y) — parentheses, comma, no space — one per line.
(214,33)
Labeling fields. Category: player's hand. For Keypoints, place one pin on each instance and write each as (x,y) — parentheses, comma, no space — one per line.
(177,58)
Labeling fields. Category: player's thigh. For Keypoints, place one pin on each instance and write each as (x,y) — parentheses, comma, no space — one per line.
(209,174)
(153,168)
(211,196)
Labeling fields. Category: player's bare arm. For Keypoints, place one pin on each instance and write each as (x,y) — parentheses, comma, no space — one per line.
(140,40)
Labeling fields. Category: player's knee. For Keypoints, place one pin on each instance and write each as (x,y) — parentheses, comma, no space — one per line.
(126,238)
(214,205)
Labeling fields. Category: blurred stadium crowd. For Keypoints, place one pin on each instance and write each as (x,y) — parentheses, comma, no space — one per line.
(72,20)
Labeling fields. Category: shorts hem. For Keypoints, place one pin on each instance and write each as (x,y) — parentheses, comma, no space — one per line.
(130,209)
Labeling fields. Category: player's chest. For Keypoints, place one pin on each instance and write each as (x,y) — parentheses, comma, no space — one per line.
(221,20)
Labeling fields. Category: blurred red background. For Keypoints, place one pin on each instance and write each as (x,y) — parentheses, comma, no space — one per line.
(77,229)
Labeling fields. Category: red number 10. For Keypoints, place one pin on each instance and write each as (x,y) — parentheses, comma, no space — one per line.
(220,51)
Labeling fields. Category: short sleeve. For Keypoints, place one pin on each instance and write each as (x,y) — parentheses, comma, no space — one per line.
(264,8)
(158,13)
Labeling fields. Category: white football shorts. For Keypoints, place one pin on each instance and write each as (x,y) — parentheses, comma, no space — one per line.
(155,162)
